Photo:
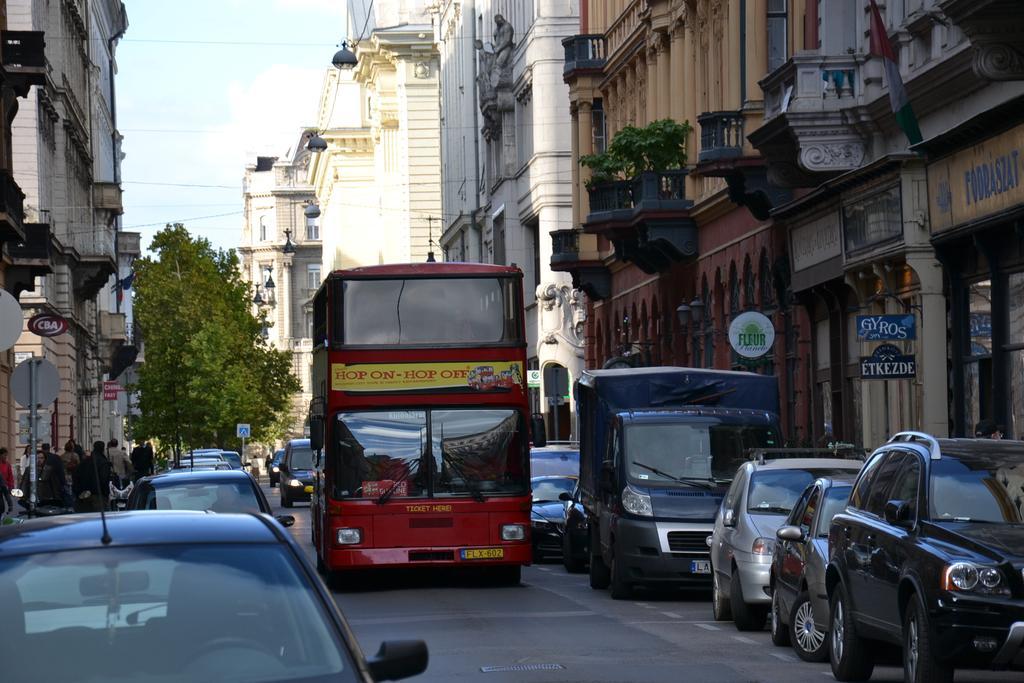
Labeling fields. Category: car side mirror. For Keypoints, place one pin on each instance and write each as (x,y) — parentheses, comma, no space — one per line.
(399,659)
(790,533)
(316,432)
(565,497)
(729,518)
(897,513)
(285,520)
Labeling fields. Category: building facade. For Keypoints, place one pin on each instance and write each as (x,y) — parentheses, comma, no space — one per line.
(507,167)
(66,158)
(671,256)
(280,251)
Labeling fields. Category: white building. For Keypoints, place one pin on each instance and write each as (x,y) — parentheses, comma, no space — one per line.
(506,153)
(280,250)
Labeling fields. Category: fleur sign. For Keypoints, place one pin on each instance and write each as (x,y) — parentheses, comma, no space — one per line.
(751,334)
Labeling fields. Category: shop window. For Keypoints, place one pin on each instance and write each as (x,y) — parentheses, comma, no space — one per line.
(1015,355)
(978,354)
(873,220)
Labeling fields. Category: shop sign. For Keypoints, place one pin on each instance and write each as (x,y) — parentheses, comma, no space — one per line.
(533,379)
(815,242)
(445,377)
(977,182)
(110,390)
(751,334)
(886,327)
(47,325)
(888,362)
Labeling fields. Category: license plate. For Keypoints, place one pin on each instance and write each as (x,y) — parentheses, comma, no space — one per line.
(482,553)
(308,489)
(700,566)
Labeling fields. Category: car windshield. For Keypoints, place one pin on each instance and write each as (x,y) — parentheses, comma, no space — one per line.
(215,496)
(977,490)
(201,612)
(835,502)
(470,452)
(691,450)
(555,463)
(547,489)
(301,458)
(774,492)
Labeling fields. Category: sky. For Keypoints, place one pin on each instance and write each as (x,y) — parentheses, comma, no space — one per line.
(204,85)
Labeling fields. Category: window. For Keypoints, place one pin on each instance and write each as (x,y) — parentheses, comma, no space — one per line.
(308,324)
(775,492)
(878,493)
(978,375)
(734,291)
(313,276)
(807,518)
(978,489)
(312,229)
(777,34)
(749,285)
(835,501)
(906,486)
(858,498)
(263,228)
(598,125)
(873,220)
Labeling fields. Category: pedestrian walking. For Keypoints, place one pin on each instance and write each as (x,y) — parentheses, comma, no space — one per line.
(56,475)
(142,460)
(70,457)
(91,481)
(121,466)
(6,484)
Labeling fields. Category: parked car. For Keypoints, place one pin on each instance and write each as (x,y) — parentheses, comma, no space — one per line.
(296,472)
(275,468)
(575,532)
(235,458)
(210,491)
(929,556)
(557,458)
(175,596)
(761,496)
(799,608)
(547,516)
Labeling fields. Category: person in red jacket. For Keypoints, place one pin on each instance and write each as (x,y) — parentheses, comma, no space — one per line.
(6,484)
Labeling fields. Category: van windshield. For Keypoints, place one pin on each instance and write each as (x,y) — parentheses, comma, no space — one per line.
(706,452)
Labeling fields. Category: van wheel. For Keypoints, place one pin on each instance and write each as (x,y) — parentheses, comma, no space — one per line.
(848,653)
(746,617)
(621,589)
(600,576)
(719,600)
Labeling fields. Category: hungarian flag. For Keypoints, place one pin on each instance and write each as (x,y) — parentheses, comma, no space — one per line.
(881,47)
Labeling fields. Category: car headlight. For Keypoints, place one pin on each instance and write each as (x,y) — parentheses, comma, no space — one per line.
(513,532)
(763,546)
(294,482)
(637,503)
(349,536)
(967,576)
(275,468)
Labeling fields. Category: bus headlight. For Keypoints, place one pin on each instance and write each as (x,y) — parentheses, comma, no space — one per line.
(349,536)
(513,532)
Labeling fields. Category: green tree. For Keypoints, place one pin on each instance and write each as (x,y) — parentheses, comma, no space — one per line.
(207,365)
(658,146)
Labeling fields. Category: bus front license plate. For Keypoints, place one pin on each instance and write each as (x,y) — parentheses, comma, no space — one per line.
(483,553)
(700,566)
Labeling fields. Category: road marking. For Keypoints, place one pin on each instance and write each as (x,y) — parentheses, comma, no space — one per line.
(743,639)
(673,615)
(641,604)
(784,657)
(708,627)
(544,569)
(466,615)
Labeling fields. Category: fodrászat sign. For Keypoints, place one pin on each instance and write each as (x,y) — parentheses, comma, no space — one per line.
(888,362)
(751,334)
(886,327)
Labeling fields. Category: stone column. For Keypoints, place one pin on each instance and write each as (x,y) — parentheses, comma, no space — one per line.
(585,144)
(664,84)
(731,87)
(285,301)
(931,361)
(677,84)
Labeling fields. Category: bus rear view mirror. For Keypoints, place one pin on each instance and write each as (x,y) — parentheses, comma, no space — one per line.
(316,433)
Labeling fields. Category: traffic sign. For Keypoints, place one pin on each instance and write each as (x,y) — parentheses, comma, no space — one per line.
(47,382)
(242,431)
(10,320)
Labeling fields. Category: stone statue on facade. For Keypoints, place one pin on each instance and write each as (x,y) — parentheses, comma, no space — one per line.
(494,76)
(486,92)
(503,36)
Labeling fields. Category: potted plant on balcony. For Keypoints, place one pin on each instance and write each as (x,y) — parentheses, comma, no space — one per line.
(659,146)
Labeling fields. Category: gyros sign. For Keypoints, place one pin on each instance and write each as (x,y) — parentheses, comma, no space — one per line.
(47,325)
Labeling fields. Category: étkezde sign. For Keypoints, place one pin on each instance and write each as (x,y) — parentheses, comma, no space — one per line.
(886,327)
(888,362)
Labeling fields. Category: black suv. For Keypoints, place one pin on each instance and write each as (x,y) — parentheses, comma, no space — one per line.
(296,472)
(929,556)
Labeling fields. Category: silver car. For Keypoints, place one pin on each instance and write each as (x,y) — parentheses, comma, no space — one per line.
(799,605)
(761,496)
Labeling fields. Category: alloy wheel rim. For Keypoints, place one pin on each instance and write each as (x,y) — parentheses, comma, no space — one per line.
(912,651)
(837,631)
(775,613)
(808,636)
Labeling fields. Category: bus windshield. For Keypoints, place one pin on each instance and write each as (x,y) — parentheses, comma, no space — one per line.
(424,453)
(454,311)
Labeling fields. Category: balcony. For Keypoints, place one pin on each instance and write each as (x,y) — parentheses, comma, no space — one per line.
(92,249)
(107,197)
(30,258)
(589,275)
(585,52)
(721,136)
(24,60)
(113,327)
(12,209)
(129,244)
(647,219)
(812,103)
(996,30)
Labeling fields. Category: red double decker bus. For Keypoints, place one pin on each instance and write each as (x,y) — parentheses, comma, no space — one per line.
(420,418)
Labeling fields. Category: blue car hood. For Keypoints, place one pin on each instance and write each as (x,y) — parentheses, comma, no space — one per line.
(684,502)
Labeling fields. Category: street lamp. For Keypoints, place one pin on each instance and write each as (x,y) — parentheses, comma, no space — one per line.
(316,143)
(683,313)
(269,284)
(312,210)
(344,58)
(697,311)
(289,248)
(258,299)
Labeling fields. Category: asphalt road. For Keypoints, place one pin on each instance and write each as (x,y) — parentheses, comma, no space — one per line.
(555,621)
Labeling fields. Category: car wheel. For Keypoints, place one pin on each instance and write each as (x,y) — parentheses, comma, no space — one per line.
(919,662)
(810,642)
(572,564)
(779,630)
(848,653)
(621,589)
(600,577)
(746,617)
(719,600)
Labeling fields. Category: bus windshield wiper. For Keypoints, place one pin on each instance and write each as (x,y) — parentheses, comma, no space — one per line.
(474,492)
(681,480)
(386,496)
